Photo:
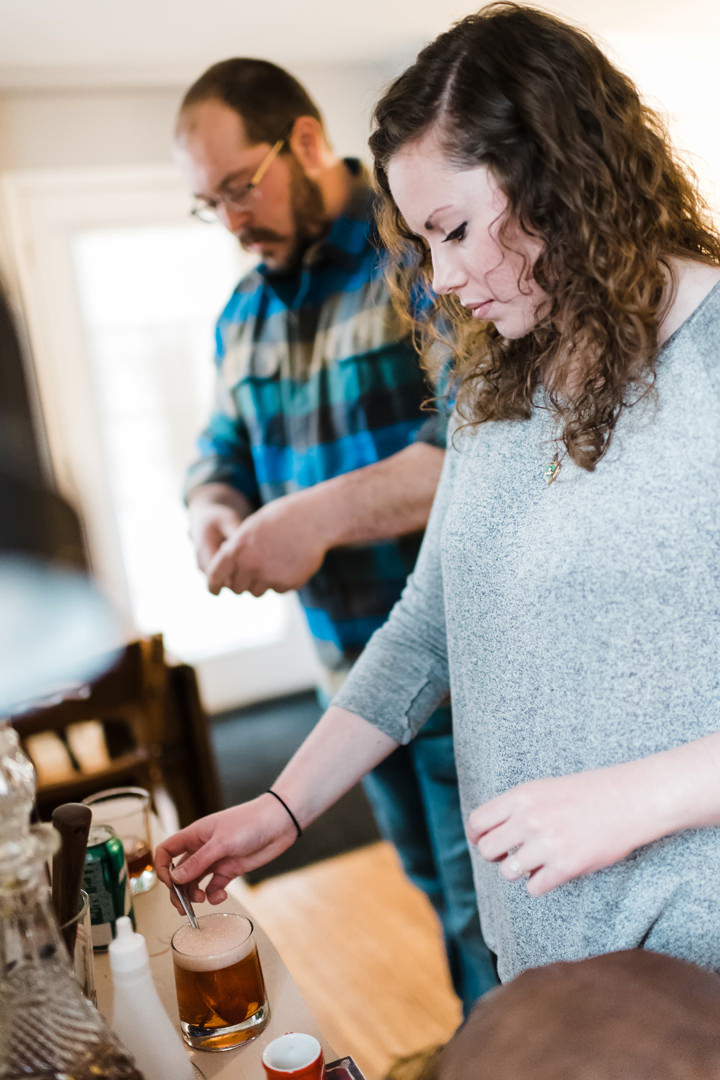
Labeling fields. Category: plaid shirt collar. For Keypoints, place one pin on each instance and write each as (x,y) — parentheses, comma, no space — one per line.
(346,241)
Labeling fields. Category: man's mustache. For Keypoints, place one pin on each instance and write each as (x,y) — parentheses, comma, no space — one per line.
(260,236)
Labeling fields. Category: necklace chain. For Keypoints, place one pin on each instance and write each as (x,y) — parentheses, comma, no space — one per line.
(552,470)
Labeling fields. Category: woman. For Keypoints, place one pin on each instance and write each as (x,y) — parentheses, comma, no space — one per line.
(567,591)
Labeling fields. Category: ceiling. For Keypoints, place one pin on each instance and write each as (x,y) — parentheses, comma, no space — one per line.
(64,42)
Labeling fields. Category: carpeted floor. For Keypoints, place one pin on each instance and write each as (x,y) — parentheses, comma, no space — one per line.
(251,746)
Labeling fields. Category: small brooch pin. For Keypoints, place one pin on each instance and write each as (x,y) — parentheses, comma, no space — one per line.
(551,471)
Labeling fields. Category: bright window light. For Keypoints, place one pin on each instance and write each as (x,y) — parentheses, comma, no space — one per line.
(149,298)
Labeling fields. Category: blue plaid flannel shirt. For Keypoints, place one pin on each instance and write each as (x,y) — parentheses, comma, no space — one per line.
(315,378)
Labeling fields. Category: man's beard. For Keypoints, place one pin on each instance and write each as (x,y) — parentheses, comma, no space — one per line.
(309,221)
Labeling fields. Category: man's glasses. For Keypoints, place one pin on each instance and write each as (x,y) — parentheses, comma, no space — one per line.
(236,198)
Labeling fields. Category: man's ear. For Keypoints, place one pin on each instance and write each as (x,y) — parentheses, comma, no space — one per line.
(309,145)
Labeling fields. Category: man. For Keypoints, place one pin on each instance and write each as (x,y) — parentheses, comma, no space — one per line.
(317,470)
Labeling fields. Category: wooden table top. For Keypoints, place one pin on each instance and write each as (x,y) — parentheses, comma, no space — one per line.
(157,920)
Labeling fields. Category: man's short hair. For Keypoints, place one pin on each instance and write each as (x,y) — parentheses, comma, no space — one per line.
(266,97)
(635,1014)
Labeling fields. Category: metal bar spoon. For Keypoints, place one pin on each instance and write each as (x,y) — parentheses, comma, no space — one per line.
(186,905)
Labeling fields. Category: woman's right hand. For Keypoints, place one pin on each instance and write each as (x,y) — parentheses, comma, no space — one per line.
(339,751)
(225,845)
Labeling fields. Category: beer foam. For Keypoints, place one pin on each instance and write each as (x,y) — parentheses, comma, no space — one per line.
(221,940)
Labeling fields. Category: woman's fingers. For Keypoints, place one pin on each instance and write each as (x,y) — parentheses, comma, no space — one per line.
(500,840)
(488,816)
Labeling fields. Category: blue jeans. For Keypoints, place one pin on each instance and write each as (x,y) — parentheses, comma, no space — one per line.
(414,796)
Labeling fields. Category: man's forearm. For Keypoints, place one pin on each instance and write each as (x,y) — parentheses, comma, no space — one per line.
(281,545)
(390,498)
(216,494)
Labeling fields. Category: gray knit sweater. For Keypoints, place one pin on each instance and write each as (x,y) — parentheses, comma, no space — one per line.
(576,626)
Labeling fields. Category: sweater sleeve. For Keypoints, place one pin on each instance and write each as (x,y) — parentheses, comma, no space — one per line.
(402,675)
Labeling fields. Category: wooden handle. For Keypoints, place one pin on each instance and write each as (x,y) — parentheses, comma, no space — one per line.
(72,821)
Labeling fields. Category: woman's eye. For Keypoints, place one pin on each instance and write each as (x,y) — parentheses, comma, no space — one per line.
(456,234)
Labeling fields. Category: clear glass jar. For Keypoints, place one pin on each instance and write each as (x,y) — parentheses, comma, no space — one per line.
(48,1030)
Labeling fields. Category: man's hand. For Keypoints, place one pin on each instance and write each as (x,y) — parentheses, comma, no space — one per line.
(284,543)
(210,527)
(225,845)
(278,547)
(215,512)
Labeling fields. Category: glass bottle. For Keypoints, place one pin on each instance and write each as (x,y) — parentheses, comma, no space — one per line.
(48,1030)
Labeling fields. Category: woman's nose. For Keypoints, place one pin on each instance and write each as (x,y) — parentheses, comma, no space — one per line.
(447,277)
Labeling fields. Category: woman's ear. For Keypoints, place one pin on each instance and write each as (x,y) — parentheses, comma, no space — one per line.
(309,145)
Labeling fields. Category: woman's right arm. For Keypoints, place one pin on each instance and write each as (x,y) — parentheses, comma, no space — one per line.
(337,753)
(395,685)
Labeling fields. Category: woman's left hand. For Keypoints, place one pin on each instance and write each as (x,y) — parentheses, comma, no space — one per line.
(558,829)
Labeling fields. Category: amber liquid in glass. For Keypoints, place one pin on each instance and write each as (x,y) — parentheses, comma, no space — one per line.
(223,998)
(219,982)
(139,859)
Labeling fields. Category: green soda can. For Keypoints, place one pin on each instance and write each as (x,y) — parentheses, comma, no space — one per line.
(106,881)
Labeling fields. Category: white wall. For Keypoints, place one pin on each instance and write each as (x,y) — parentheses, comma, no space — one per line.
(103,126)
(678,77)
(42,129)
(73,128)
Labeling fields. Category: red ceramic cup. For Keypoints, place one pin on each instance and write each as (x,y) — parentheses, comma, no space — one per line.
(294,1056)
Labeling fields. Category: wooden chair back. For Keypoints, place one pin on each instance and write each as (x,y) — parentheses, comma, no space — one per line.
(139,723)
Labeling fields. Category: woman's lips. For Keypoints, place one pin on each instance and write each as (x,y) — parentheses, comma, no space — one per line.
(480,311)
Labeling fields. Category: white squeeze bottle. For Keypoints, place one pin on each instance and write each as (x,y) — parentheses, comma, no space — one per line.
(139,1017)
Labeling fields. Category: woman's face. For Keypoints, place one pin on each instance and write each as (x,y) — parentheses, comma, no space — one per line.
(458,214)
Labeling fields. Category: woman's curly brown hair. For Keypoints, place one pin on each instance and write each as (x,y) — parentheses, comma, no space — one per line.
(588,168)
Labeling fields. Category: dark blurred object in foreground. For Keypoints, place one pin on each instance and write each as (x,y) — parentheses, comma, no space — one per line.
(19,437)
(53,617)
(38,522)
(634,1015)
(35,520)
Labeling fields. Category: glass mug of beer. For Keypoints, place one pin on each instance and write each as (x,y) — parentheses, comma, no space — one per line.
(127,810)
(219,982)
